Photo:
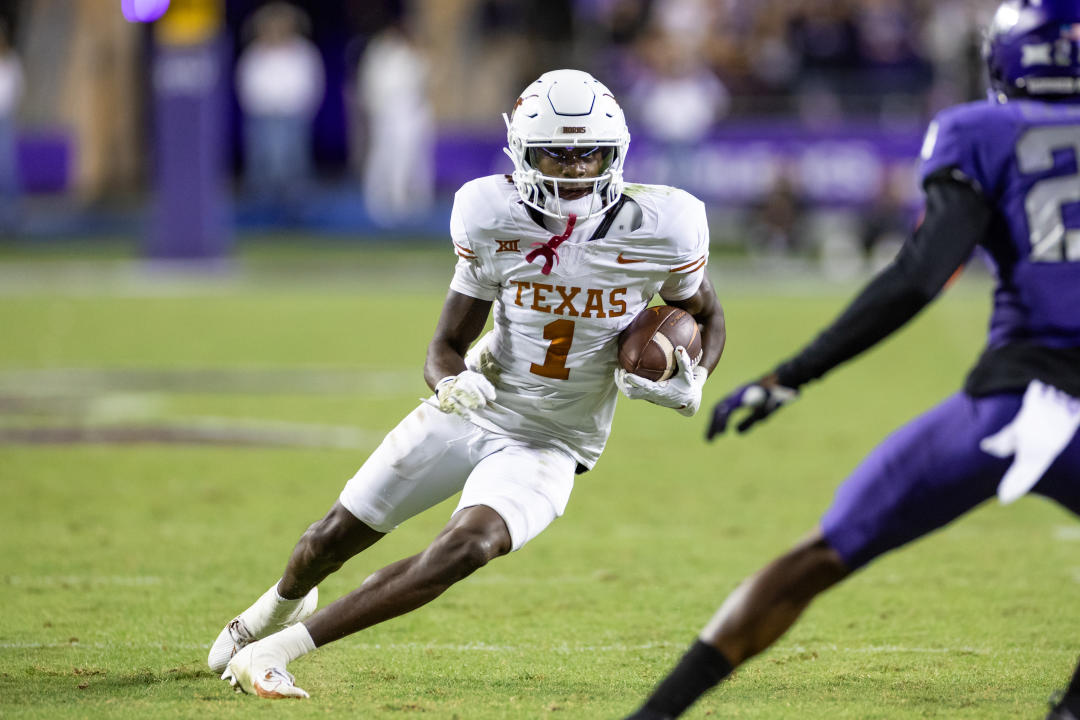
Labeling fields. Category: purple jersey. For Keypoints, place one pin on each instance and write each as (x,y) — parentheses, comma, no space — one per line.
(1023,157)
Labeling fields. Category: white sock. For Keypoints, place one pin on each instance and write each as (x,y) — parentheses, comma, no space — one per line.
(294,641)
(269,611)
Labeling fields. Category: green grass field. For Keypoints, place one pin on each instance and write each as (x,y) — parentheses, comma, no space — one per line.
(121,561)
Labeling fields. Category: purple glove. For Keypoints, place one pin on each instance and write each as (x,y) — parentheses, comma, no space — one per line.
(762,398)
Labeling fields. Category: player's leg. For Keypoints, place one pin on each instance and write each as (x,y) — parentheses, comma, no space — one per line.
(511,496)
(926,474)
(751,619)
(471,539)
(323,548)
(421,462)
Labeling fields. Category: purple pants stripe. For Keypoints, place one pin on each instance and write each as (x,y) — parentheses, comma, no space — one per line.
(930,472)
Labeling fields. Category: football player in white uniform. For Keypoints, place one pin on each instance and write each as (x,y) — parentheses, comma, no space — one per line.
(567,255)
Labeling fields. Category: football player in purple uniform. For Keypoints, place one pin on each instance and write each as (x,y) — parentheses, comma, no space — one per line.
(1002,175)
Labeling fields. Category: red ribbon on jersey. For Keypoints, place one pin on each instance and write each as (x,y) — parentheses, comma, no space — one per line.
(548,249)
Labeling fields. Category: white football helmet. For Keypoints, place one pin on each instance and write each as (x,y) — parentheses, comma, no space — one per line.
(566,109)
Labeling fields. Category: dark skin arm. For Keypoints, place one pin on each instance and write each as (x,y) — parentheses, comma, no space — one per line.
(460,323)
(706,309)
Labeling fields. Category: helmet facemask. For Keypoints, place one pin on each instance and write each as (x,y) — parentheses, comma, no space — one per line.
(561,193)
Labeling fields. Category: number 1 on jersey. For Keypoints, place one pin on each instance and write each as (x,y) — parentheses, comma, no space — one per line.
(561,335)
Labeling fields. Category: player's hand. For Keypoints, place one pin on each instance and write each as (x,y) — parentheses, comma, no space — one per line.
(681,392)
(463,393)
(761,398)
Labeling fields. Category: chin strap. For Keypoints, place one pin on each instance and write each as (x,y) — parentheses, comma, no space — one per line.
(547,250)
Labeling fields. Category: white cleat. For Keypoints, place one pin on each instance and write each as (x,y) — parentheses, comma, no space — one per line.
(257,671)
(230,641)
(238,635)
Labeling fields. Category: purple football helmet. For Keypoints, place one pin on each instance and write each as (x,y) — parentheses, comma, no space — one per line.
(1033,50)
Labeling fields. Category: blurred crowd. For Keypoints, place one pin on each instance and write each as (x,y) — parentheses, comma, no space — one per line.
(685,70)
(814,59)
(363,91)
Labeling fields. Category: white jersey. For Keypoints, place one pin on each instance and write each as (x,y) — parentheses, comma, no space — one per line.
(555,338)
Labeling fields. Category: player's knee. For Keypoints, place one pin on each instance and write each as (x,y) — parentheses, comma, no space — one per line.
(460,552)
(816,566)
(318,543)
(326,540)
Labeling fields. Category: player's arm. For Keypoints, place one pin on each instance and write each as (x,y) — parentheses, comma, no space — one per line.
(957,217)
(461,321)
(706,309)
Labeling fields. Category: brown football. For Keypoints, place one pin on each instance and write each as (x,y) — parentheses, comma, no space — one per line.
(647,345)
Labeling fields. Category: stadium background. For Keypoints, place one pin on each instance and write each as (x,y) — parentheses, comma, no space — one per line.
(801,107)
(189,372)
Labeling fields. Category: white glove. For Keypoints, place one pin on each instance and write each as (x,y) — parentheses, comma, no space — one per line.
(681,392)
(463,393)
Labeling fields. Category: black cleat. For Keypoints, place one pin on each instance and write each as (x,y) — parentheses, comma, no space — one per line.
(1058,711)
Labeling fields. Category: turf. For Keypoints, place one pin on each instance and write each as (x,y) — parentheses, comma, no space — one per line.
(122,561)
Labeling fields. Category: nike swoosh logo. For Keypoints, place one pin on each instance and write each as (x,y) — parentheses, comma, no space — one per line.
(626,261)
